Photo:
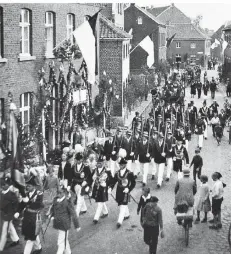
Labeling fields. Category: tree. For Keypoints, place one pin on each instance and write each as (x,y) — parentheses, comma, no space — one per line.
(197,20)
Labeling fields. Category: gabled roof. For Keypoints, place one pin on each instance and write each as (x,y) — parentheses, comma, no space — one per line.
(185,31)
(148,14)
(158,10)
(109,31)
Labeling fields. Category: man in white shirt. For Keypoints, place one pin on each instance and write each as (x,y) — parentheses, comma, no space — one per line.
(217,198)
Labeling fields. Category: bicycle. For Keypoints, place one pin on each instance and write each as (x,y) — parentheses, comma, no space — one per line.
(187,219)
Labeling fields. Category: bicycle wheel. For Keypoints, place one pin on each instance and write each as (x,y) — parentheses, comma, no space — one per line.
(186,233)
(229,236)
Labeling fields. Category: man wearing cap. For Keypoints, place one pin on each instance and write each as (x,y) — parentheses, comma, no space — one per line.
(108,149)
(135,120)
(8,206)
(126,183)
(101,180)
(185,190)
(213,87)
(153,140)
(222,118)
(152,223)
(65,172)
(143,152)
(77,137)
(180,154)
(129,146)
(170,142)
(81,182)
(228,87)
(160,150)
(199,130)
(31,205)
(192,116)
(204,114)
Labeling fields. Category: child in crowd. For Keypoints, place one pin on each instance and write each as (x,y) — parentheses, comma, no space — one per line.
(203,203)
(197,163)
(144,199)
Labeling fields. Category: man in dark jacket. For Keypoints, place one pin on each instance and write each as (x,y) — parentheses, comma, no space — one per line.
(199,130)
(63,213)
(152,223)
(213,87)
(8,206)
(199,87)
(222,118)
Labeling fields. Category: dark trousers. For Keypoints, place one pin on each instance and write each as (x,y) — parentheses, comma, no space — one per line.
(151,237)
(196,173)
(205,92)
(213,128)
(212,94)
(199,93)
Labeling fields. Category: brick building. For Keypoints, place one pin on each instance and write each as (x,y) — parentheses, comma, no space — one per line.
(190,44)
(141,23)
(227,51)
(28,33)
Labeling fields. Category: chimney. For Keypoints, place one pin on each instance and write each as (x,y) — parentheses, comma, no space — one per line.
(172,5)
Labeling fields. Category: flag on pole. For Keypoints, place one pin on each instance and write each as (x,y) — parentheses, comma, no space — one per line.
(224,46)
(147,45)
(13,145)
(169,40)
(85,36)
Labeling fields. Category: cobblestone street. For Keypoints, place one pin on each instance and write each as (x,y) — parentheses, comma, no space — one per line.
(129,238)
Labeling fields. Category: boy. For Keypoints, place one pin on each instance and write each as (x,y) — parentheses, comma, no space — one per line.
(197,163)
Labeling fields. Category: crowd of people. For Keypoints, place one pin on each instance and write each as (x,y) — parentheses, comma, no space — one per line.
(154,145)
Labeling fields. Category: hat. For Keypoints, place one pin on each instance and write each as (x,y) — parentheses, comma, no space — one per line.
(145,134)
(101,158)
(179,138)
(186,172)
(168,120)
(219,175)
(78,156)
(154,199)
(123,162)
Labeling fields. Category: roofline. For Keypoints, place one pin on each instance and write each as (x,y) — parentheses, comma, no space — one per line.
(114,39)
(162,11)
(189,39)
(151,16)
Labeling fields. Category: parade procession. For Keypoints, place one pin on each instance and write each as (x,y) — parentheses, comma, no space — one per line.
(115,130)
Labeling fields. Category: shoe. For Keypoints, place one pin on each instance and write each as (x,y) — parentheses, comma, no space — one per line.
(127,217)
(197,219)
(118,225)
(179,222)
(95,222)
(204,221)
(37,251)
(14,244)
(82,212)
(158,186)
(153,177)
(167,179)
(211,221)
(104,216)
(213,227)
(206,138)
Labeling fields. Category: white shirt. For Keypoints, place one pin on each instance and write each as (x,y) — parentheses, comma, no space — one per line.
(217,190)
(79,166)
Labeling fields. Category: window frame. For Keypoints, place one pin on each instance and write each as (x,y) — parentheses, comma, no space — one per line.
(23,25)
(178,45)
(140,20)
(47,26)
(1,34)
(70,27)
(24,109)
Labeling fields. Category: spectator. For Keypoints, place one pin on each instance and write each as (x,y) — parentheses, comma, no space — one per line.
(197,163)
(152,222)
(214,121)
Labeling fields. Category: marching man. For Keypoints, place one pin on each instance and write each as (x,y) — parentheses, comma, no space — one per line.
(200,128)
(204,114)
(126,183)
(170,142)
(101,179)
(8,206)
(82,180)
(128,144)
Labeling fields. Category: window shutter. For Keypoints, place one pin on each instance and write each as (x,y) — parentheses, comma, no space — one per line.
(31,32)
(54,29)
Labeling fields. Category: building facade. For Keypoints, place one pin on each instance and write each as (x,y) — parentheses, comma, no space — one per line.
(227,51)
(189,45)
(140,23)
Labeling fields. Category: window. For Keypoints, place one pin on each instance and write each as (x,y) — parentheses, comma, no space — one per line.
(25,27)
(178,58)
(55,111)
(1,32)
(70,26)
(140,20)
(192,58)
(178,45)
(193,45)
(162,40)
(49,33)
(119,8)
(25,103)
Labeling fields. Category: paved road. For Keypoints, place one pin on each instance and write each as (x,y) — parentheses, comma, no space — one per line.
(106,239)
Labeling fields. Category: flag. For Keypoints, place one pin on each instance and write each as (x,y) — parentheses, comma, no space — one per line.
(147,45)
(13,145)
(217,42)
(224,46)
(169,40)
(85,36)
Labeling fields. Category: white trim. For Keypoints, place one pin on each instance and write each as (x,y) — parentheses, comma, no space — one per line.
(24,109)
(3,60)
(70,27)
(26,57)
(140,20)
(24,25)
(49,27)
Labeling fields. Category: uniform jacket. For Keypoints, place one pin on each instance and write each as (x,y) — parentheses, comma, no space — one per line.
(63,212)
(170,142)
(180,153)
(158,150)
(129,146)
(200,126)
(142,150)
(66,173)
(204,112)
(8,205)
(101,181)
(125,180)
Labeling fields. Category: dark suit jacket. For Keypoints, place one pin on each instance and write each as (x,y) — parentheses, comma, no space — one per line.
(68,172)
(107,150)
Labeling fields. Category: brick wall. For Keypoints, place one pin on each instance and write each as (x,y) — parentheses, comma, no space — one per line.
(186,49)
(20,77)
(111,62)
(138,58)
